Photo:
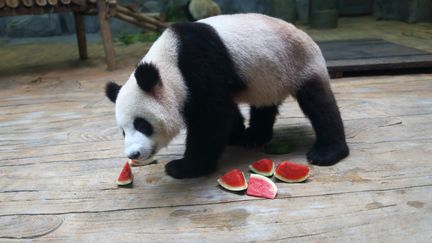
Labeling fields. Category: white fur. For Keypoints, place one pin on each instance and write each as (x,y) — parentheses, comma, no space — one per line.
(163,113)
(200,9)
(271,55)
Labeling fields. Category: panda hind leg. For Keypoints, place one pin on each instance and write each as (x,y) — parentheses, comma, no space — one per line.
(260,130)
(317,102)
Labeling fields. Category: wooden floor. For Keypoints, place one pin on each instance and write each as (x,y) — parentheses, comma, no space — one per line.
(60,153)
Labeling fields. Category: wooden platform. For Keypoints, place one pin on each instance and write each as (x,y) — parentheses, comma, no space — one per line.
(60,153)
(371,55)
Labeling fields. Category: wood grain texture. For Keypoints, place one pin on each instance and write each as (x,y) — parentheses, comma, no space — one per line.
(60,153)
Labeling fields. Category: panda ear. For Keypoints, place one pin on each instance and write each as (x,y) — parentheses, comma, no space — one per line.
(147,77)
(111,91)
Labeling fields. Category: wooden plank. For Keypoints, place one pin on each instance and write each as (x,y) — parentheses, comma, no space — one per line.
(81,36)
(106,34)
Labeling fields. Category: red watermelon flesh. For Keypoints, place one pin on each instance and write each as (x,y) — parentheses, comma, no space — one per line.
(126,176)
(291,172)
(233,180)
(261,186)
(263,167)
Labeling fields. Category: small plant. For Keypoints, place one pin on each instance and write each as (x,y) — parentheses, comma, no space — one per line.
(129,39)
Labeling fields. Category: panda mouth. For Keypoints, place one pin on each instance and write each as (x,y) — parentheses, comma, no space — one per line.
(150,156)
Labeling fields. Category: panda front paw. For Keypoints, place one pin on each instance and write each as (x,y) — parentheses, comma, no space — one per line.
(181,169)
(327,155)
(253,138)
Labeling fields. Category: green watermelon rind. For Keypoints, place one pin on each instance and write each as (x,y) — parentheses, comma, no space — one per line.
(124,183)
(281,178)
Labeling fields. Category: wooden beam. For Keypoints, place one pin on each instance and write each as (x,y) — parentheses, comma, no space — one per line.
(22,10)
(141,18)
(106,34)
(135,22)
(28,3)
(81,35)
(12,3)
(41,2)
(53,2)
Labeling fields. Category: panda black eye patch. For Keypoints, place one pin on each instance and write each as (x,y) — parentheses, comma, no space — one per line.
(143,126)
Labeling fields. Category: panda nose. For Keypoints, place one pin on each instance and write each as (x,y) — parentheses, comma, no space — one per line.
(134,155)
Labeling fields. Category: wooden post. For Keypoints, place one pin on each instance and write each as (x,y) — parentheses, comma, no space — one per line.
(106,34)
(81,35)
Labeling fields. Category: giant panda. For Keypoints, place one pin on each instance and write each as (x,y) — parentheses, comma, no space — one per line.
(196,74)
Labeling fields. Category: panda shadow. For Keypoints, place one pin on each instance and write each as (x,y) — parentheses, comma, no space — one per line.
(287,142)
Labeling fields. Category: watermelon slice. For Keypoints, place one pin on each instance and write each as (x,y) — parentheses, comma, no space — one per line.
(291,172)
(126,176)
(233,180)
(263,167)
(261,186)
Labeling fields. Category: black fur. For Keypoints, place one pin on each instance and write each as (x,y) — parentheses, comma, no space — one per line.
(111,91)
(143,126)
(210,111)
(319,105)
(147,76)
(237,131)
(260,130)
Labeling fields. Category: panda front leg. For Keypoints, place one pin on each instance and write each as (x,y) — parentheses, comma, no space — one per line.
(208,133)
(318,103)
(260,130)
(237,129)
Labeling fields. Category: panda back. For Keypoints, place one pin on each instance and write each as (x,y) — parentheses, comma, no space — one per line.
(272,56)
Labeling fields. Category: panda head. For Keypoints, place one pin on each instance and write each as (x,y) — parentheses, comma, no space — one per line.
(143,112)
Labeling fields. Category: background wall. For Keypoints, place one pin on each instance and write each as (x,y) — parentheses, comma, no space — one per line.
(290,10)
